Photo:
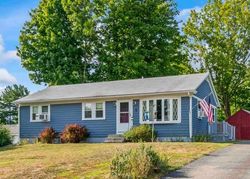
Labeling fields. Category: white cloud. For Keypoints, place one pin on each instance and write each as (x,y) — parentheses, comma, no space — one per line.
(185,13)
(6,55)
(6,78)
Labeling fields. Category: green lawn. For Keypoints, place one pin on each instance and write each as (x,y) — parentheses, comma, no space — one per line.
(86,160)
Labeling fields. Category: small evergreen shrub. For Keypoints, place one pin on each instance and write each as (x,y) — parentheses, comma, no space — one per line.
(74,133)
(5,136)
(47,135)
(142,133)
(202,138)
(141,162)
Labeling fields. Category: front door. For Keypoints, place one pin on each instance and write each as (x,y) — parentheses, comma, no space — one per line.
(124,116)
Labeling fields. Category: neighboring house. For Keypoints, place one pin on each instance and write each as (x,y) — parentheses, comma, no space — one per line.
(241,121)
(114,107)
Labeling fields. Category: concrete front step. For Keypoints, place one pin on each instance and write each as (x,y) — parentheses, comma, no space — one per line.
(115,139)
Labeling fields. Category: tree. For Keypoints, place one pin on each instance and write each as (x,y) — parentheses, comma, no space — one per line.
(139,38)
(242,100)
(49,48)
(75,41)
(8,110)
(219,38)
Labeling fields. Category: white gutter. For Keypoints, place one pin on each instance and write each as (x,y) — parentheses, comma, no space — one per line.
(103,97)
(190,116)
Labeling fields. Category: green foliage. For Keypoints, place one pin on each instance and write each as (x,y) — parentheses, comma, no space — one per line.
(8,110)
(140,38)
(47,135)
(49,49)
(242,100)
(74,133)
(201,138)
(75,41)
(141,133)
(140,162)
(5,136)
(218,38)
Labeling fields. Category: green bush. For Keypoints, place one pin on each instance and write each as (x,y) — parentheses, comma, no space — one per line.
(141,162)
(142,133)
(47,135)
(5,136)
(74,133)
(201,138)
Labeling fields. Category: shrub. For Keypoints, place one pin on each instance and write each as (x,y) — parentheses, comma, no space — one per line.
(137,163)
(74,133)
(47,135)
(142,133)
(201,138)
(5,136)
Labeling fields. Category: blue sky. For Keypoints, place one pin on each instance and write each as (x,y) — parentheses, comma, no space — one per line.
(12,17)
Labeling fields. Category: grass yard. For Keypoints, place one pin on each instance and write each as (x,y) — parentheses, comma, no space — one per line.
(86,160)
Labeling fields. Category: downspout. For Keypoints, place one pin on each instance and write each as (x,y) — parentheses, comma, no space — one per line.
(190,117)
(19,125)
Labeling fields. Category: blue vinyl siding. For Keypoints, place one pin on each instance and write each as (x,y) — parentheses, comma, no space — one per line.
(63,114)
(28,129)
(204,90)
(200,126)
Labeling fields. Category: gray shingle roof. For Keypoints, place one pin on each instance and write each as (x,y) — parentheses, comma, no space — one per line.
(146,86)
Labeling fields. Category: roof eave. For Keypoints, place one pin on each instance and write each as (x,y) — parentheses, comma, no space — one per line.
(187,92)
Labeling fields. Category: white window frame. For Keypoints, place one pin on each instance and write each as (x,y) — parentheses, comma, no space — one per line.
(214,111)
(171,121)
(93,111)
(198,110)
(39,112)
(204,116)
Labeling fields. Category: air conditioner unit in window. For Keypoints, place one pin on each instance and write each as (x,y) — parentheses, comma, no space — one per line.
(201,114)
(43,117)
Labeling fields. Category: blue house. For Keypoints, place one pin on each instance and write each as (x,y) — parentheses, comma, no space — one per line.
(171,103)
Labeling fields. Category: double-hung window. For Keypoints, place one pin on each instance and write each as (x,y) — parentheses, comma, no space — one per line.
(93,110)
(161,110)
(39,113)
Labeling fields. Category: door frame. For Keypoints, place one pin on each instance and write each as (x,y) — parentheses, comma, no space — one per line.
(130,122)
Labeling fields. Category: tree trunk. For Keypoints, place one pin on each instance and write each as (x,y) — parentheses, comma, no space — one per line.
(226,108)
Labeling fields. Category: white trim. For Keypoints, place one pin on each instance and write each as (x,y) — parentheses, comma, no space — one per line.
(106,98)
(19,124)
(171,110)
(130,122)
(190,116)
(211,85)
(93,111)
(39,105)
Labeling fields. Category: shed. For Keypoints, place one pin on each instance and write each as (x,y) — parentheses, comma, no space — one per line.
(241,120)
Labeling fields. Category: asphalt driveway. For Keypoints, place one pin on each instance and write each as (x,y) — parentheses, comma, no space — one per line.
(232,162)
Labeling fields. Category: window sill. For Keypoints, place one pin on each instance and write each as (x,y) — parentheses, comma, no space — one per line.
(39,121)
(157,122)
(93,119)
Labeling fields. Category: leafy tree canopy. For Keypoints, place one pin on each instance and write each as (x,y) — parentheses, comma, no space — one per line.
(219,38)
(8,110)
(49,49)
(140,38)
(75,41)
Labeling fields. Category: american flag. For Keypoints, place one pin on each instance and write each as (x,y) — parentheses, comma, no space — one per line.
(207,108)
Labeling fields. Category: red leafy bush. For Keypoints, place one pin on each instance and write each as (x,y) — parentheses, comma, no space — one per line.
(74,133)
(47,135)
